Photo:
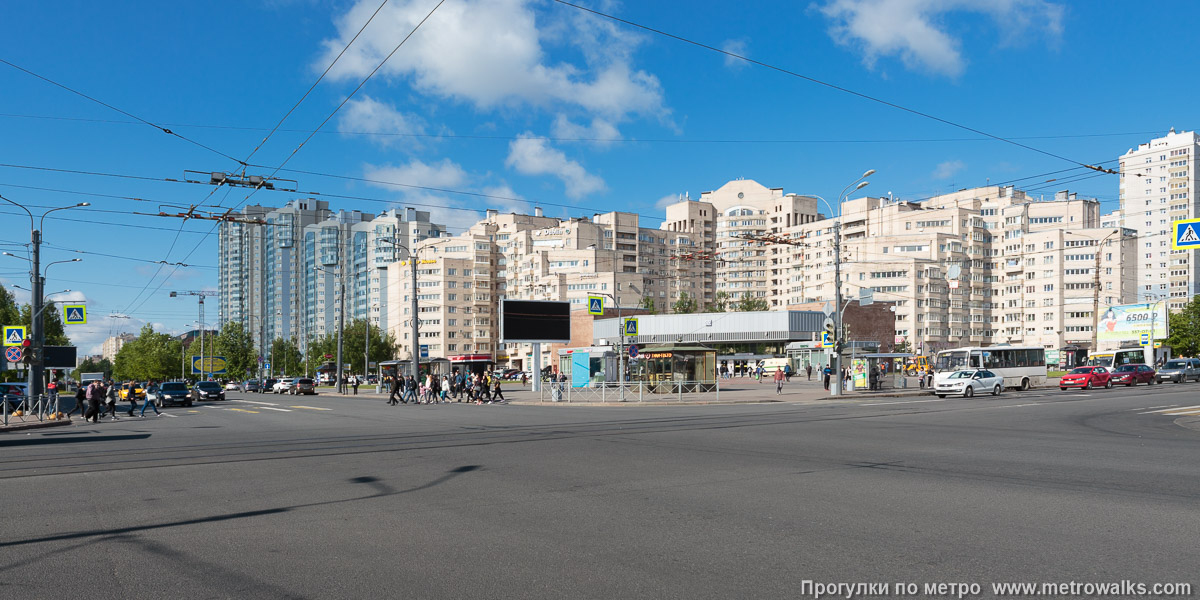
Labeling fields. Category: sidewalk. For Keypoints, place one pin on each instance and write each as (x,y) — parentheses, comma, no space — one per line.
(27,423)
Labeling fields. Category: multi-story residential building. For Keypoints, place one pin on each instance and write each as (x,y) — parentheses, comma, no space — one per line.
(281,279)
(745,207)
(976,267)
(1158,185)
(112,345)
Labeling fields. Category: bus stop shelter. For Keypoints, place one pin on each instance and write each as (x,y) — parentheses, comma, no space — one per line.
(889,365)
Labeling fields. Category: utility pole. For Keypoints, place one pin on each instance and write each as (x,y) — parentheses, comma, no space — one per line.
(1096,293)
(341,326)
(416,328)
(835,384)
(200,294)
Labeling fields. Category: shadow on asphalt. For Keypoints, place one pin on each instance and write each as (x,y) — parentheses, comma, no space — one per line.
(62,439)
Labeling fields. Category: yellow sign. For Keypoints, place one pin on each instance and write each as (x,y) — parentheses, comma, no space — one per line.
(75,314)
(210,365)
(14,335)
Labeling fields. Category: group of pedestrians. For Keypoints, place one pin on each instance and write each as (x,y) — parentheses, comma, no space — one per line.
(480,388)
(99,399)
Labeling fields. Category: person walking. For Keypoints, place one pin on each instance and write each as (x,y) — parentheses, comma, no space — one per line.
(779,377)
(355,386)
(393,389)
(94,395)
(872,378)
(808,371)
(497,394)
(151,388)
(410,390)
(825,376)
(131,397)
(110,404)
(524,379)
(80,402)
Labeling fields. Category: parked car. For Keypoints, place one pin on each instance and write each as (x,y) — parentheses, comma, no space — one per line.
(1085,378)
(267,385)
(233,386)
(207,390)
(511,374)
(304,385)
(132,387)
(172,392)
(251,386)
(970,382)
(1179,370)
(1133,374)
(283,386)
(13,394)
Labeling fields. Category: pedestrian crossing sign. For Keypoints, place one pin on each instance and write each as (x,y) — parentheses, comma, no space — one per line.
(1187,234)
(826,339)
(75,314)
(596,305)
(14,336)
(631,326)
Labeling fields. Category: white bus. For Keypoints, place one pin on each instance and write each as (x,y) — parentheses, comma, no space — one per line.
(1021,367)
(1115,358)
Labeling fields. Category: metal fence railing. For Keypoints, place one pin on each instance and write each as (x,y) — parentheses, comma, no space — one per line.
(40,408)
(631,391)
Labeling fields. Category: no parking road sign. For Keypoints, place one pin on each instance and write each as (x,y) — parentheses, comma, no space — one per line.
(14,354)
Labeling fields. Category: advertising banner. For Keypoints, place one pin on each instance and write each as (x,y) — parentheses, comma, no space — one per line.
(1129,322)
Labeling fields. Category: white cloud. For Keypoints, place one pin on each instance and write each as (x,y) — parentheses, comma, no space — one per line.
(600,132)
(491,53)
(369,115)
(948,169)
(916,30)
(665,201)
(446,174)
(456,212)
(736,47)
(532,155)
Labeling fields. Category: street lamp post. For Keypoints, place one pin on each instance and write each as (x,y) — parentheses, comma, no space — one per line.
(835,386)
(620,338)
(416,332)
(36,332)
(337,367)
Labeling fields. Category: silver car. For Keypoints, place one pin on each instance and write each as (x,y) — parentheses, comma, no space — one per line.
(968,383)
(1179,370)
(284,386)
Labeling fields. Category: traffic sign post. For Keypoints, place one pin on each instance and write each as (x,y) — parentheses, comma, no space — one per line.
(1186,234)
(74,314)
(14,335)
(596,305)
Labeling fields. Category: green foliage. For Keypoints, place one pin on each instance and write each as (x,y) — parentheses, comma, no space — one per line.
(10,314)
(648,304)
(748,303)
(684,305)
(720,303)
(1185,330)
(380,347)
(237,346)
(93,366)
(285,358)
(152,356)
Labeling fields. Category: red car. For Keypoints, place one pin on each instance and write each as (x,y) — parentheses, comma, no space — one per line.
(1133,375)
(1086,377)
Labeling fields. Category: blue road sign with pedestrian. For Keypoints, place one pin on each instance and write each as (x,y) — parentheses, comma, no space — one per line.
(14,335)
(596,305)
(631,326)
(1187,234)
(74,314)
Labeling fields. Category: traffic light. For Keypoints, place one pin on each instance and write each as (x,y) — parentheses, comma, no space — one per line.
(837,347)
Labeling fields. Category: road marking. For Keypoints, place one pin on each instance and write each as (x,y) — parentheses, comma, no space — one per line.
(259,403)
(212,407)
(278,409)
(1171,409)
(190,411)
(173,416)
(1183,413)
(243,410)
(309,407)
(1018,405)
(1163,406)
(903,402)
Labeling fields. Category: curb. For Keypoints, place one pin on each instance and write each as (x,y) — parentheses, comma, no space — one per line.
(34,425)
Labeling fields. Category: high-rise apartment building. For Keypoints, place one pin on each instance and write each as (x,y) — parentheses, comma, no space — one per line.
(112,345)
(1158,179)
(282,279)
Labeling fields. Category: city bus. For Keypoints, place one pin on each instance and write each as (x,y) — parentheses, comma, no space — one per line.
(1021,367)
(1115,358)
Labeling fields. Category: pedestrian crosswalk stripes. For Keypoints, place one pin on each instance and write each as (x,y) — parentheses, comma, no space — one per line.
(309,407)
(1173,408)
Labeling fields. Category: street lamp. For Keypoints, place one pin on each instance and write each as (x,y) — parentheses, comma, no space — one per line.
(835,387)
(415,348)
(620,337)
(36,331)
(337,368)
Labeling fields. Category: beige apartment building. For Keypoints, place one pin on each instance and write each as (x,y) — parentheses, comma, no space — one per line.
(533,257)
(1157,181)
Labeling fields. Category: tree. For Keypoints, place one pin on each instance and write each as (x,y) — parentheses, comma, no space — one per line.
(10,314)
(720,303)
(152,356)
(748,303)
(684,305)
(1185,329)
(237,346)
(380,347)
(648,304)
(285,357)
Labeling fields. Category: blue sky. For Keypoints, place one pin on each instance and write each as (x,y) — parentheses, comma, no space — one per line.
(533,102)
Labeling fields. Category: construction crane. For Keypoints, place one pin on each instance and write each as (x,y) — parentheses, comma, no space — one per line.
(200,294)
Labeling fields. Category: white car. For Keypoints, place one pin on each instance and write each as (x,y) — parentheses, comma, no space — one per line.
(233,386)
(284,386)
(968,383)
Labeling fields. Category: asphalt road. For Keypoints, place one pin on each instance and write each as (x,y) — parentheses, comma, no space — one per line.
(322,497)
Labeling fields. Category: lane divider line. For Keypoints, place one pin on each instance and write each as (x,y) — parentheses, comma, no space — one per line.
(309,407)
(243,410)
(1171,409)
(278,409)
(903,402)
(256,402)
